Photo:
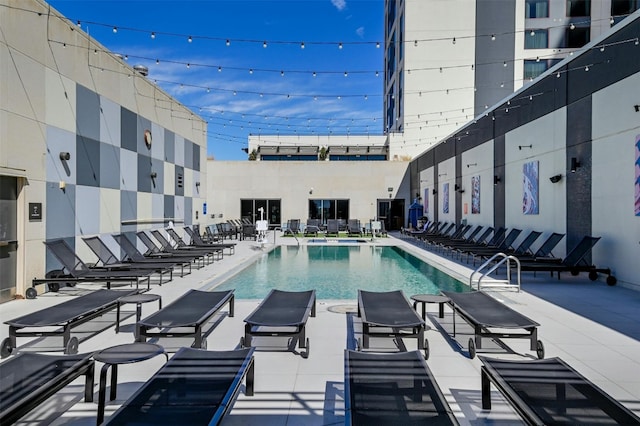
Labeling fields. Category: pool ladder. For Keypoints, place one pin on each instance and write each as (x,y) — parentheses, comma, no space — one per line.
(485,281)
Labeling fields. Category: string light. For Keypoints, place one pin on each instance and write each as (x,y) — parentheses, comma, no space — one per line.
(228,42)
(454,40)
(340,45)
(115,30)
(264,44)
(572,26)
(190,39)
(302,45)
(493,37)
(153,36)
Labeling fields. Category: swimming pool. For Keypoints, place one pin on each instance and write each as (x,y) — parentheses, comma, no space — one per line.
(337,272)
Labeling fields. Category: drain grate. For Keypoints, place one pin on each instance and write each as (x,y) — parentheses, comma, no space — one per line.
(343,309)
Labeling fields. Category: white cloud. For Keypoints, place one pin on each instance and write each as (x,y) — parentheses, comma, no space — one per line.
(339,4)
(360,32)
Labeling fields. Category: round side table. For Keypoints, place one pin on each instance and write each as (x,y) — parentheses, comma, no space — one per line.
(429,298)
(138,299)
(116,355)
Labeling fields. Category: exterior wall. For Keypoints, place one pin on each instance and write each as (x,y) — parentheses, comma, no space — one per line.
(480,164)
(362,182)
(569,112)
(58,98)
(616,129)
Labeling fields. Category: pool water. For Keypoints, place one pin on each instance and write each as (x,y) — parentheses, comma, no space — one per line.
(337,272)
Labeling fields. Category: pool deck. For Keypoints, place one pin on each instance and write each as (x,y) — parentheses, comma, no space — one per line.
(593,327)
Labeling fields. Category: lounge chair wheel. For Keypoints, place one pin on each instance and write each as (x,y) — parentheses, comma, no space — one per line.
(426,349)
(611,280)
(305,354)
(7,348)
(31,293)
(72,346)
(53,287)
(575,272)
(540,349)
(593,275)
(472,348)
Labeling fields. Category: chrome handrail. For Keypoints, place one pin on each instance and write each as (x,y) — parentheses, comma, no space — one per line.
(505,258)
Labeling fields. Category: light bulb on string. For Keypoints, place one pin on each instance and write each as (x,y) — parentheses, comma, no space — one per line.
(190,39)
(302,45)
(153,35)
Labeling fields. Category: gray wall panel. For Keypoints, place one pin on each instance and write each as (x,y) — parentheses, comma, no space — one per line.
(87,113)
(128,128)
(169,146)
(88,161)
(109,166)
(579,183)
(145,182)
(60,210)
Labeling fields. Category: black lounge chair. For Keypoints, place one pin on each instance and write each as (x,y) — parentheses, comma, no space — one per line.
(313,228)
(392,389)
(166,246)
(28,379)
(503,246)
(545,250)
(107,259)
(197,241)
(132,254)
(293,227)
(333,228)
(60,319)
(389,314)
(181,244)
(550,392)
(282,313)
(574,263)
(354,228)
(194,387)
(186,316)
(153,250)
(489,318)
(75,271)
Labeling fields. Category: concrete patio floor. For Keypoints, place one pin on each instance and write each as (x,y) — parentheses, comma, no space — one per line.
(593,327)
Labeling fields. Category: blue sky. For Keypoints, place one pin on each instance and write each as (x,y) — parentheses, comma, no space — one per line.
(281,95)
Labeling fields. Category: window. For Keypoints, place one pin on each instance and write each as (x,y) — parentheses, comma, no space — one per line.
(624,7)
(328,209)
(537,9)
(536,39)
(289,157)
(577,37)
(533,68)
(578,8)
(249,209)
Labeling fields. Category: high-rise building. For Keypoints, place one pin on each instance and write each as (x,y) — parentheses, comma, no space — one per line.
(446,61)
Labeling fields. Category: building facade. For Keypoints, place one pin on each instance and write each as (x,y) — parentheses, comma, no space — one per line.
(561,154)
(88,146)
(446,61)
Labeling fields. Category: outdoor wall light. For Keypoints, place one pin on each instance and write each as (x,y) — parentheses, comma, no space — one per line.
(524,146)
(555,178)
(434,191)
(198,184)
(574,164)
(154,175)
(310,190)
(458,188)
(496,179)
(471,164)
(65,156)
(637,108)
